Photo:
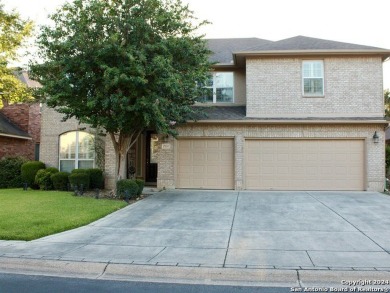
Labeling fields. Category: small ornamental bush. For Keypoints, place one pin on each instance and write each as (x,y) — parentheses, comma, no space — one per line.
(78,179)
(10,172)
(141,185)
(96,179)
(74,171)
(60,180)
(126,184)
(29,171)
(43,178)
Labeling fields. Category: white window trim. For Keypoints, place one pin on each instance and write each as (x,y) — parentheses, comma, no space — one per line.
(214,87)
(310,95)
(76,158)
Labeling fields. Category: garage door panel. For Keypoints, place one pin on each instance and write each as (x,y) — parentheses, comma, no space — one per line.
(294,164)
(210,163)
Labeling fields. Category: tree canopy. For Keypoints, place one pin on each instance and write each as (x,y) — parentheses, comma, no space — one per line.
(13,32)
(123,66)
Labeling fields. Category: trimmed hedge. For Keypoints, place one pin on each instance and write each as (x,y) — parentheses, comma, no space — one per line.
(29,171)
(43,178)
(126,184)
(96,179)
(60,180)
(10,172)
(141,185)
(77,179)
(84,171)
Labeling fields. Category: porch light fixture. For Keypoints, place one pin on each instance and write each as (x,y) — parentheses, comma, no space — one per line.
(375,138)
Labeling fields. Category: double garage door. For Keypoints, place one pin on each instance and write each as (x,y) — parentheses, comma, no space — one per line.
(285,164)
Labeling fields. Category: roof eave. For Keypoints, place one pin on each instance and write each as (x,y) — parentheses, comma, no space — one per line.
(265,121)
(15,136)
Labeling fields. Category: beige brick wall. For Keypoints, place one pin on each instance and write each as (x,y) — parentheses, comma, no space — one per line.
(51,128)
(375,154)
(353,88)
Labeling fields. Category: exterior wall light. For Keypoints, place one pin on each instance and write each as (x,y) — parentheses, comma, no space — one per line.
(375,137)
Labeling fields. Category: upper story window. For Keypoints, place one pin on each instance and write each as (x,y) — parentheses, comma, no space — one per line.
(76,151)
(220,88)
(313,78)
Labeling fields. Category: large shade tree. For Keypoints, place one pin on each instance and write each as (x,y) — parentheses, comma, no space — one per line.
(14,30)
(123,66)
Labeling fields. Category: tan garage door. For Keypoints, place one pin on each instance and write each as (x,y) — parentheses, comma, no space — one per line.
(205,163)
(304,164)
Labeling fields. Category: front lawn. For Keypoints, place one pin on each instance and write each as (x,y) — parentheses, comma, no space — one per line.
(32,214)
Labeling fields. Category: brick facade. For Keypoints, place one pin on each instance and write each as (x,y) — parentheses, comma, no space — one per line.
(51,129)
(28,118)
(353,88)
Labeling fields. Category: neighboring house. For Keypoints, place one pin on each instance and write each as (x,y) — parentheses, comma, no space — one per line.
(20,126)
(297,114)
(20,131)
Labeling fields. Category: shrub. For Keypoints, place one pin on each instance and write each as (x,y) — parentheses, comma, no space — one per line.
(388,160)
(43,178)
(74,171)
(141,185)
(77,179)
(126,184)
(60,180)
(96,179)
(10,172)
(29,171)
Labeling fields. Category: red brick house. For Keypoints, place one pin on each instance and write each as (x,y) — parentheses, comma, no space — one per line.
(20,126)
(20,131)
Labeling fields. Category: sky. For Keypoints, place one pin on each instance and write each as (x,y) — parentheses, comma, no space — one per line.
(364,22)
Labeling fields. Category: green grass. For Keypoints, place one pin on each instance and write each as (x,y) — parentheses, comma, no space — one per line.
(28,215)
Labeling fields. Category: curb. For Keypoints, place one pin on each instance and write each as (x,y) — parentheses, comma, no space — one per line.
(190,275)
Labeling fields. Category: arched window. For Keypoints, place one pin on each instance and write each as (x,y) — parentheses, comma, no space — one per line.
(76,151)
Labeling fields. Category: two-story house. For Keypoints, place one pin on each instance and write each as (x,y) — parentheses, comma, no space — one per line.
(296,114)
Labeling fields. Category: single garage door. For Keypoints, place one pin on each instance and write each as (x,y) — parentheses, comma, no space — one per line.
(205,163)
(304,164)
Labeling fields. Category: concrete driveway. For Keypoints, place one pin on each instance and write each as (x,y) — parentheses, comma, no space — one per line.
(289,230)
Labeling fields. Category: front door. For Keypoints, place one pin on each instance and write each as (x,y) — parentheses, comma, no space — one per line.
(151,157)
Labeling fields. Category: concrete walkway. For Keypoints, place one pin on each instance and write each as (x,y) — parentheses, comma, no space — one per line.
(304,231)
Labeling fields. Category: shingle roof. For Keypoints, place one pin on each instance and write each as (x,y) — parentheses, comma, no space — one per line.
(223,48)
(7,128)
(308,43)
(238,113)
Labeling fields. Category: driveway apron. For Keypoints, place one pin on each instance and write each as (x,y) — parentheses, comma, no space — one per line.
(300,230)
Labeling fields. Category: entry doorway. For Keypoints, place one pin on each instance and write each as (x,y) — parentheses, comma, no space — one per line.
(151,158)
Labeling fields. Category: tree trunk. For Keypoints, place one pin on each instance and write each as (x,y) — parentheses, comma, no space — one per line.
(122,166)
(122,143)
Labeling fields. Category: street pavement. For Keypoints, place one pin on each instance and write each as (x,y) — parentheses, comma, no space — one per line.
(309,233)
